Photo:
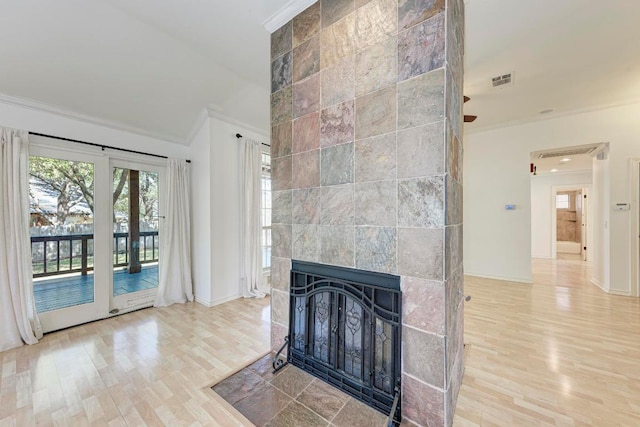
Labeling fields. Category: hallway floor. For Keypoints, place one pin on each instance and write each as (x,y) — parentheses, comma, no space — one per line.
(559,351)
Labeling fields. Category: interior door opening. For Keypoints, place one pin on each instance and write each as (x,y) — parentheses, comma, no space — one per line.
(570,223)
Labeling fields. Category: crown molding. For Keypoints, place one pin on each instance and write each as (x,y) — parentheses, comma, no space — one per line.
(214,112)
(286,13)
(110,124)
(203,115)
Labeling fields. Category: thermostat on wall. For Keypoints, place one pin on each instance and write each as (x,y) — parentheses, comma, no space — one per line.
(621,207)
(510,207)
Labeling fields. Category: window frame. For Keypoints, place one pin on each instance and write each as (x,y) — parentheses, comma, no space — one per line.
(562,201)
(265,212)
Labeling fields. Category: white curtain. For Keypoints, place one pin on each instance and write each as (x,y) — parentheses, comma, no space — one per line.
(250,224)
(175,284)
(18,318)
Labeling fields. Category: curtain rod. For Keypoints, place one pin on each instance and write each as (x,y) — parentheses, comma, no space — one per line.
(240,136)
(102,146)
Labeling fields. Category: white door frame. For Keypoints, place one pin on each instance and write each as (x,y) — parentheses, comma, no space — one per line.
(634,188)
(584,217)
(99,308)
(145,298)
(586,189)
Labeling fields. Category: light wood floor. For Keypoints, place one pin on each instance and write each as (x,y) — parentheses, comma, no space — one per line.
(558,352)
(151,367)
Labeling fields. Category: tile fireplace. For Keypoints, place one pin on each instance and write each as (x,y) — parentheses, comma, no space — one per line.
(345,329)
(366,131)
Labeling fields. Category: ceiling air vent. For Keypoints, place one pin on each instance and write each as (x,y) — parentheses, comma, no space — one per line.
(503,80)
(567,153)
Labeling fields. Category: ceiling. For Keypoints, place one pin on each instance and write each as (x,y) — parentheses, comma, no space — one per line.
(568,56)
(153,66)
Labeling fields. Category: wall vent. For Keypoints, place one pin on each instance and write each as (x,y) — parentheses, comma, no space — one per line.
(503,80)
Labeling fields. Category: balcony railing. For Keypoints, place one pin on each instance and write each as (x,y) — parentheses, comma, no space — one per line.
(148,248)
(74,253)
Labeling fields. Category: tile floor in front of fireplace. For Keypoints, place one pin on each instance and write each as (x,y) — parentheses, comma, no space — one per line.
(292,397)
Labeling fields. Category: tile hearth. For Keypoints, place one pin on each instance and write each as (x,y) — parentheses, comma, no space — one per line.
(292,397)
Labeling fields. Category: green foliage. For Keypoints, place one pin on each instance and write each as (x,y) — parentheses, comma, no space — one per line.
(148,195)
(70,182)
(120,193)
(148,182)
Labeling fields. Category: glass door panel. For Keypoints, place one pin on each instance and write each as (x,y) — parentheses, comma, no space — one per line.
(65,216)
(61,226)
(136,236)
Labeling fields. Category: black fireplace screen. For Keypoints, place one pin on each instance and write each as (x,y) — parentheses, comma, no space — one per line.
(345,329)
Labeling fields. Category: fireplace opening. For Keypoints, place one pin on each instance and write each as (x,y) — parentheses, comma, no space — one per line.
(344,328)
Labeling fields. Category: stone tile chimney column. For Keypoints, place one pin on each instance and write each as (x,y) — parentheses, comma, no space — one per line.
(366,134)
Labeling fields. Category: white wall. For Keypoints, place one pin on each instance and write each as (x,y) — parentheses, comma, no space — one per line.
(200,214)
(497,243)
(542,205)
(218,176)
(225,211)
(601,217)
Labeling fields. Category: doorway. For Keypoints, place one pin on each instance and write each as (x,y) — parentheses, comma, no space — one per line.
(95,229)
(634,185)
(569,226)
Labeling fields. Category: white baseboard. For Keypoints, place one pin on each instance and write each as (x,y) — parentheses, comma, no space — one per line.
(218,301)
(610,291)
(600,285)
(223,300)
(215,302)
(620,293)
(203,301)
(503,278)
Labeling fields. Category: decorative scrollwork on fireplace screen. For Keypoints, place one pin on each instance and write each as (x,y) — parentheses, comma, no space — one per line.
(345,329)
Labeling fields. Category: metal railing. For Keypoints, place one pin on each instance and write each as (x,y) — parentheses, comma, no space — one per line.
(52,265)
(148,248)
(74,253)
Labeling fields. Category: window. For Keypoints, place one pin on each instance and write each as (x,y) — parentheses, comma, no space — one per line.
(562,201)
(266,211)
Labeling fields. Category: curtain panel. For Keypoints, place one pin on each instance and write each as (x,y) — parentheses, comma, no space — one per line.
(250,219)
(175,284)
(19,321)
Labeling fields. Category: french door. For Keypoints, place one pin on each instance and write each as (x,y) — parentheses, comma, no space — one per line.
(137,220)
(69,213)
(95,234)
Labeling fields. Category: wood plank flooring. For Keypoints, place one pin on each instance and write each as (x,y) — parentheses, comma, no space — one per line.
(150,367)
(558,352)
